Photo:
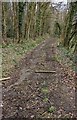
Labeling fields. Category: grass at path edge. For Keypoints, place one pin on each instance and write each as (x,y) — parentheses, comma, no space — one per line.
(13,53)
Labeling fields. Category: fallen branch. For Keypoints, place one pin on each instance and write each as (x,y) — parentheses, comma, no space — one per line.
(43,71)
(3,79)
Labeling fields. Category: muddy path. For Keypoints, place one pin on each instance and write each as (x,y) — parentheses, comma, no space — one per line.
(39,87)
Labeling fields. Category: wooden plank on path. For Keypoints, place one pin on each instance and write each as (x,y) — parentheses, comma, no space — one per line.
(43,71)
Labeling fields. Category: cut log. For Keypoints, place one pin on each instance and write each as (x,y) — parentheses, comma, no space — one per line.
(3,79)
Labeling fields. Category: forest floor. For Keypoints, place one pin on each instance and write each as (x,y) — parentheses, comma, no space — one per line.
(40,87)
(13,53)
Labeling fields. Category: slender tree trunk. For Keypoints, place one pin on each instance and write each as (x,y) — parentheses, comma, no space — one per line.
(4,27)
(15,22)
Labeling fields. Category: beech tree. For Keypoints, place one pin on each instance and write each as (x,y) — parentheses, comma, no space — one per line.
(27,20)
(70,39)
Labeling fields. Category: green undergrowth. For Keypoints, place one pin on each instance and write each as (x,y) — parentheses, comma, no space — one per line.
(12,53)
(65,56)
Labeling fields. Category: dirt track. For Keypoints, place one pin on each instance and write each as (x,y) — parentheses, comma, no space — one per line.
(31,94)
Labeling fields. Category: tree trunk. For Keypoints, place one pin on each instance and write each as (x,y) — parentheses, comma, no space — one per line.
(4,27)
(15,22)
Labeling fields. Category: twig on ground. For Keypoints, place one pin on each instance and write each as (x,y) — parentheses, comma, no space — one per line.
(3,79)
